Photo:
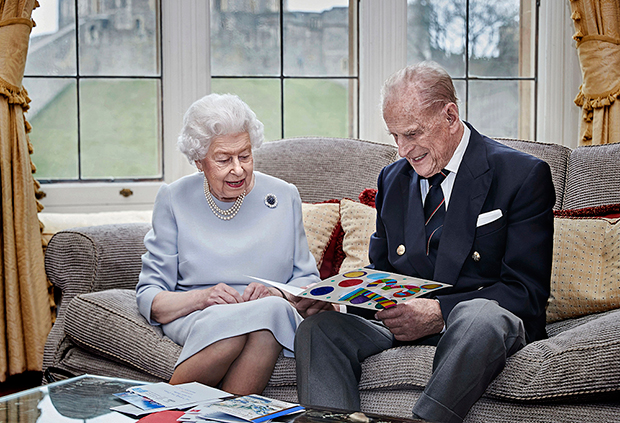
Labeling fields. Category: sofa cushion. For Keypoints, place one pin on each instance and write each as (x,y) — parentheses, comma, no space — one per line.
(556,156)
(109,324)
(320,221)
(593,176)
(324,168)
(577,362)
(585,276)
(358,222)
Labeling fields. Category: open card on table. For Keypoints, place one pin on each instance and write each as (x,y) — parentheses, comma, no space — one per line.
(366,288)
(249,408)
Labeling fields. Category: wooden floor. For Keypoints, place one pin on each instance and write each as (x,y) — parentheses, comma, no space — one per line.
(20,382)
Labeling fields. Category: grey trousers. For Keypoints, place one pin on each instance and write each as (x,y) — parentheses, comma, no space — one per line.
(479,336)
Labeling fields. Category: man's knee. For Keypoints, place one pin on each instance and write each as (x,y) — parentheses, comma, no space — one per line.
(489,318)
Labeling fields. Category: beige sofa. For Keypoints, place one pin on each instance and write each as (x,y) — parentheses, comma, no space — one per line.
(572,376)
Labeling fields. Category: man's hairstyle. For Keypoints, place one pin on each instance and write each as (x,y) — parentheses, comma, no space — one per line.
(215,115)
(429,80)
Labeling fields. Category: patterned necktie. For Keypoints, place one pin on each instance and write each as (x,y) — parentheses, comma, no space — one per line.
(434,213)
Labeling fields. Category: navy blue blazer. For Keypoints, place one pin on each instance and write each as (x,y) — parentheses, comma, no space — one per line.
(514,252)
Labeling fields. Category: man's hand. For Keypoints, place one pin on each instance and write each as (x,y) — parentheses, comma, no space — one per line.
(414,319)
(307,306)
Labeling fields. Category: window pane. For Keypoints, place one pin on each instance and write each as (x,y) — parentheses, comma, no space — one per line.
(263,97)
(316,38)
(320,108)
(436,31)
(53,116)
(120,128)
(460,87)
(52,41)
(494,107)
(494,38)
(245,38)
(118,38)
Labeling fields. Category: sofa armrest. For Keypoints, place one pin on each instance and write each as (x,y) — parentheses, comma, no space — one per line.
(95,258)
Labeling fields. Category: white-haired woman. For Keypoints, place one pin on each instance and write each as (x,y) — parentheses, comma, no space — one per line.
(213,230)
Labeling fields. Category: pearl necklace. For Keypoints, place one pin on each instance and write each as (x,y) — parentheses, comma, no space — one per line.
(217,211)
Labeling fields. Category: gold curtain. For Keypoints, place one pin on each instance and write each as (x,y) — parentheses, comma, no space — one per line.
(597,25)
(25,317)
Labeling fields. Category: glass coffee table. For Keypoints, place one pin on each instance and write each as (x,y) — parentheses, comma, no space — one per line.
(88,398)
(85,398)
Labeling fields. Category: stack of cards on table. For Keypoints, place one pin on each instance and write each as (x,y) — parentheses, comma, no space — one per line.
(203,403)
(144,399)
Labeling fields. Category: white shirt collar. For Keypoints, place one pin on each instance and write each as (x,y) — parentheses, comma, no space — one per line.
(453,166)
(455,162)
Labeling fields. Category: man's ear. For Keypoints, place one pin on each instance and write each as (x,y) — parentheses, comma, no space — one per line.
(452,113)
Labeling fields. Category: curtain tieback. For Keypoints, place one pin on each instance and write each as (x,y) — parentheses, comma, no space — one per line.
(600,67)
(14,36)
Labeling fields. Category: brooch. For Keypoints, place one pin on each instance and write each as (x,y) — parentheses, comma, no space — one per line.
(271,201)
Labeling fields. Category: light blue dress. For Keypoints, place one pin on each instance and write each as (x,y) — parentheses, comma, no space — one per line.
(190,248)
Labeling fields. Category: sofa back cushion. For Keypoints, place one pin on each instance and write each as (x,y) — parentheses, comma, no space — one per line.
(325,168)
(557,156)
(593,177)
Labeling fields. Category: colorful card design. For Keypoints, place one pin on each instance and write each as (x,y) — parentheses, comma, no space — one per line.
(371,289)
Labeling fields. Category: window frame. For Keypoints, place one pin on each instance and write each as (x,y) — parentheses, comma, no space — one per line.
(383,35)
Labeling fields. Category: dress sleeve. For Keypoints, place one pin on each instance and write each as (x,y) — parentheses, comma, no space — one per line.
(305,271)
(160,262)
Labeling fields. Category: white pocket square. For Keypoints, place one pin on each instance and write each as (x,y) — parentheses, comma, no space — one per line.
(488,217)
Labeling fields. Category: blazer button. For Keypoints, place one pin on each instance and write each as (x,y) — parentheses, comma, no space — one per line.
(400,250)
(476,256)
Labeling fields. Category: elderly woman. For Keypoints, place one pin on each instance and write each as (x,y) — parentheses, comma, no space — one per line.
(212,231)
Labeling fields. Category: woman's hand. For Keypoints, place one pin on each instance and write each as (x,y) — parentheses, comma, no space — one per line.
(220,294)
(256,290)
(168,306)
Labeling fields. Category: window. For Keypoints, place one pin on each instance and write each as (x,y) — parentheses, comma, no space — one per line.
(488,48)
(293,62)
(97,110)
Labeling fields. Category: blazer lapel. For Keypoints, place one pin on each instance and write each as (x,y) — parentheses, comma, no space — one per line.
(470,190)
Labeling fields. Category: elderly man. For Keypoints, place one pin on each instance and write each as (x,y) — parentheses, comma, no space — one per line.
(459,208)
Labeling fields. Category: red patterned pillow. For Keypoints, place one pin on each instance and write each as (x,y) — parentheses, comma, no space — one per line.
(334,254)
(368,197)
(610,211)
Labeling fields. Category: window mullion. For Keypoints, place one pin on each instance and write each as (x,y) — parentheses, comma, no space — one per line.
(383,50)
(186,72)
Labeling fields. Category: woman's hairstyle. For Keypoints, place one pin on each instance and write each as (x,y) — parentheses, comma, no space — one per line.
(215,115)
(430,81)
